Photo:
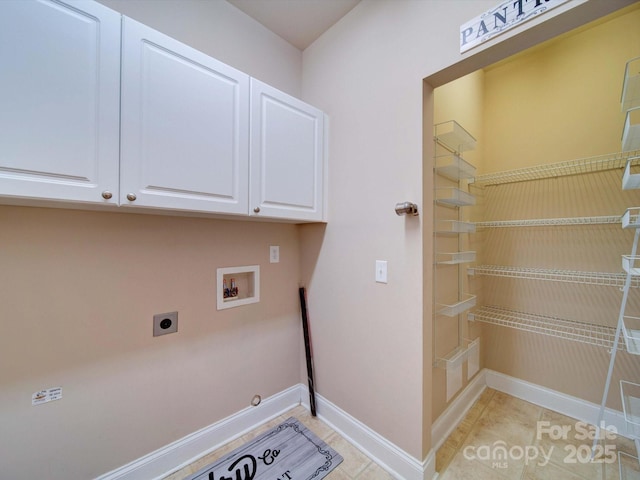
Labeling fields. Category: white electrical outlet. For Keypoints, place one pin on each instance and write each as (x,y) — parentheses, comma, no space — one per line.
(274,254)
(381,271)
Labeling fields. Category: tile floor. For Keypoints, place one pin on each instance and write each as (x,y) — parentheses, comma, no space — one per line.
(560,443)
(355,466)
(495,420)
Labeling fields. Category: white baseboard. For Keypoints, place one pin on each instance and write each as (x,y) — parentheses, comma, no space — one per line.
(182,452)
(559,402)
(455,412)
(396,461)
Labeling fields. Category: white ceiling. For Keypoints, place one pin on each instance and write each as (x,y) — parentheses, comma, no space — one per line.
(299,22)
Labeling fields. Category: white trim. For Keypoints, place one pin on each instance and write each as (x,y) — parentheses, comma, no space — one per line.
(389,456)
(185,451)
(559,402)
(396,461)
(456,411)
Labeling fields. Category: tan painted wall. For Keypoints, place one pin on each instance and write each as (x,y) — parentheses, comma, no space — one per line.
(366,73)
(78,291)
(557,102)
(62,270)
(567,98)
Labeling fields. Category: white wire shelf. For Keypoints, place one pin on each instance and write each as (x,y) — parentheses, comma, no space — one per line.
(546,222)
(631,218)
(454,358)
(454,136)
(631,86)
(598,335)
(631,131)
(454,167)
(630,181)
(631,332)
(468,302)
(567,276)
(454,227)
(455,258)
(631,264)
(628,466)
(454,197)
(631,406)
(610,161)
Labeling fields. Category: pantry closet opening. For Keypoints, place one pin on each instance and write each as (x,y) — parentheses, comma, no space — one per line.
(527,234)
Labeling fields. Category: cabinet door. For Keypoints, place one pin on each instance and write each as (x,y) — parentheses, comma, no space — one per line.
(287,161)
(59,100)
(185,124)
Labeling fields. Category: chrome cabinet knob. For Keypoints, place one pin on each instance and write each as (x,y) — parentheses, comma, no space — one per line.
(131,197)
(256,210)
(107,195)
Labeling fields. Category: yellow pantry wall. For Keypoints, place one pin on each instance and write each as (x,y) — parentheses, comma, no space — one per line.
(559,101)
(78,291)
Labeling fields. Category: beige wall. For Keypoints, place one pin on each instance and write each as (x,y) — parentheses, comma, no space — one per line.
(78,291)
(366,73)
(79,288)
(219,29)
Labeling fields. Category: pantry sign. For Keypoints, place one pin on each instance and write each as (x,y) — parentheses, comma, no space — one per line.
(498,20)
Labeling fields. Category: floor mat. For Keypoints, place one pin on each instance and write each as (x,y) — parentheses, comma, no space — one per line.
(289,451)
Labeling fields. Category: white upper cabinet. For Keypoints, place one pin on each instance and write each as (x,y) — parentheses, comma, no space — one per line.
(185,127)
(59,101)
(287,156)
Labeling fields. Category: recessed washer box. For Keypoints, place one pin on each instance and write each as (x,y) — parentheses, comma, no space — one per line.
(238,286)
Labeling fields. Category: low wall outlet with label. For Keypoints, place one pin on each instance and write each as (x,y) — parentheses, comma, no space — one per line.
(164,323)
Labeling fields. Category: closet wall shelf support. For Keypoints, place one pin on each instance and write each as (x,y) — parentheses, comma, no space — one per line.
(598,335)
(454,358)
(631,131)
(567,276)
(631,218)
(469,301)
(547,222)
(631,332)
(628,464)
(455,258)
(454,197)
(453,136)
(631,85)
(454,167)
(610,161)
(631,407)
(454,227)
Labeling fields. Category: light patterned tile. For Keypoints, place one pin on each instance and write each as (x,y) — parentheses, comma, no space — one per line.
(216,454)
(462,469)
(549,472)
(338,474)
(444,455)
(374,472)
(180,474)
(354,460)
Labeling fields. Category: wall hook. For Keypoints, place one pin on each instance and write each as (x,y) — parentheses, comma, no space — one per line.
(407,208)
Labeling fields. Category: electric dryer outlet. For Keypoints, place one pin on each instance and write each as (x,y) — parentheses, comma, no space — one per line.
(164,323)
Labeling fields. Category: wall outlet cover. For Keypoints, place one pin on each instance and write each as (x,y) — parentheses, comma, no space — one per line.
(164,323)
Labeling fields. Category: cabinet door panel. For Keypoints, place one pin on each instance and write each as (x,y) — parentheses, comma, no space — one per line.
(287,163)
(184,126)
(59,91)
